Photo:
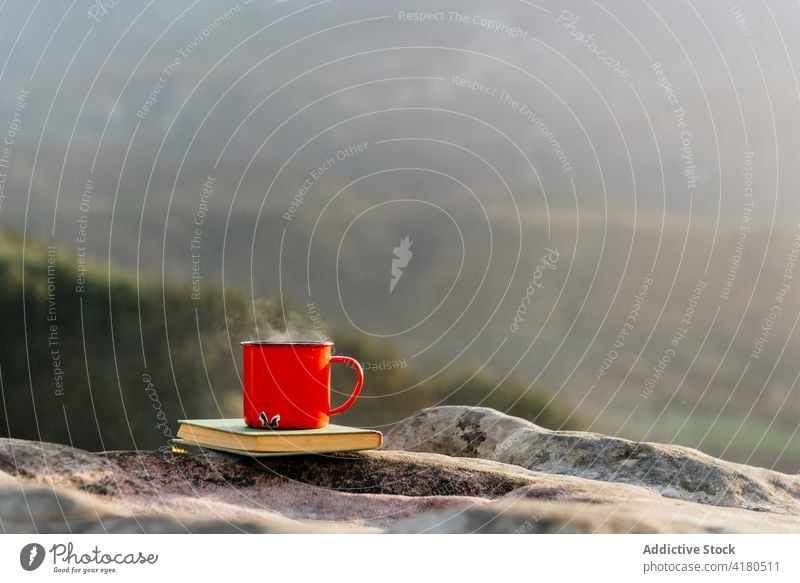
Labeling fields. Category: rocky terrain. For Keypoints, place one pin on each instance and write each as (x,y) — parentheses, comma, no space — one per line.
(444,470)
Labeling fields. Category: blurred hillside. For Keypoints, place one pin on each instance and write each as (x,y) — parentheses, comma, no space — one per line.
(114,365)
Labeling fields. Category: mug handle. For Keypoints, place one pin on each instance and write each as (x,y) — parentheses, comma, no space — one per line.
(359,381)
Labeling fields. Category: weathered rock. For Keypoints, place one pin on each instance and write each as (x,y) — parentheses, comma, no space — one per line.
(59,465)
(673,471)
(28,508)
(54,488)
(355,492)
(597,514)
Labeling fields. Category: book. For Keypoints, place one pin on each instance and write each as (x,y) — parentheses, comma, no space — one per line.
(234,436)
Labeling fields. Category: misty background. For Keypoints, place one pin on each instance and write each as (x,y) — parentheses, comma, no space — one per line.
(601,200)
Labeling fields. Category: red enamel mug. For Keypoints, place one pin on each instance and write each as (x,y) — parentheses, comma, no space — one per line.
(287,385)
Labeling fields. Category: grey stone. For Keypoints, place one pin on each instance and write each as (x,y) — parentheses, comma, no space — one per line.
(573,482)
(671,470)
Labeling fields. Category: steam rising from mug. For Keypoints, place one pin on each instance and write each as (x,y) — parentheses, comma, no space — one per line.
(293,326)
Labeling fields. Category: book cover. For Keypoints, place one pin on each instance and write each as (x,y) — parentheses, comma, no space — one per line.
(234,436)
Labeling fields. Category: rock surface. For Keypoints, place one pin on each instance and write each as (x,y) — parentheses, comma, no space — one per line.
(671,470)
(52,488)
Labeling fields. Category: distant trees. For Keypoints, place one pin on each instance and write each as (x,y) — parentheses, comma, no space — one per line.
(116,363)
